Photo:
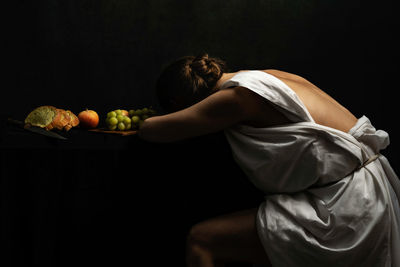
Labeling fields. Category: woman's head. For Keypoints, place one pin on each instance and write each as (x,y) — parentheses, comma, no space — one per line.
(188,80)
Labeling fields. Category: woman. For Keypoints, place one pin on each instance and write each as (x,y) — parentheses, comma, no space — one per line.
(331,198)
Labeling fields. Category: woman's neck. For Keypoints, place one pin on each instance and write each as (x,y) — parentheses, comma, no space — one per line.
(225,77)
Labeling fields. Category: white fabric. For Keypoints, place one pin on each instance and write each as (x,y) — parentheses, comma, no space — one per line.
(321,208)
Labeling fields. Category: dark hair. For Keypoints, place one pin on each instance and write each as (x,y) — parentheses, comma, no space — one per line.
(188,80)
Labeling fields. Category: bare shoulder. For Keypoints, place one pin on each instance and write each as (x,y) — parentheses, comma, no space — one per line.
(324,109)
(286,75)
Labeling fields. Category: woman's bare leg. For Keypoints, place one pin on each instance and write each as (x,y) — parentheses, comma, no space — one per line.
(228,238)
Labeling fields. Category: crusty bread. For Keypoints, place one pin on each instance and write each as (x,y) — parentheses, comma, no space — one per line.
(42,117)
(50,117)
(73,120)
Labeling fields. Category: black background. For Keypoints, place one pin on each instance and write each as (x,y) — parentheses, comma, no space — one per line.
(107,54)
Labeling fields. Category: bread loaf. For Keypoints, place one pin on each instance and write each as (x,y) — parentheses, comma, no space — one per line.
(74,121)
(49,117)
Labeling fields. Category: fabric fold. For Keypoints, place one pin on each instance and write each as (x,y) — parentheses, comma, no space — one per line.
(322,205)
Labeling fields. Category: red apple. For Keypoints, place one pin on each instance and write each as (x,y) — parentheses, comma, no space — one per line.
(88,119)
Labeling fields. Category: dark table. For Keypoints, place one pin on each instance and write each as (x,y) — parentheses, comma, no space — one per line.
(107,199)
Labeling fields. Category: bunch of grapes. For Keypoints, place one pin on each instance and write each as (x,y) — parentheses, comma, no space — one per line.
(121,119)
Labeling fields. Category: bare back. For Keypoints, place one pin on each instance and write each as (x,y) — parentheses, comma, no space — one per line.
(323,109)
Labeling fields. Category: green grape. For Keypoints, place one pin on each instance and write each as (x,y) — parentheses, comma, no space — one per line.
(131,112)
(120,118)
(112,121)
(118,111)
(128,126)
(121,126)
(112,127)
(138,112)
(135,119)
(145,111)
(126,120)
(111,114)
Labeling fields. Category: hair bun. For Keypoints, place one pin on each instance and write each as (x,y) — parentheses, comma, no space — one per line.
(188,80)
(203,58)
(208,68)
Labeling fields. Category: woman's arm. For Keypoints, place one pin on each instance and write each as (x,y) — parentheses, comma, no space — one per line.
(218,111)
